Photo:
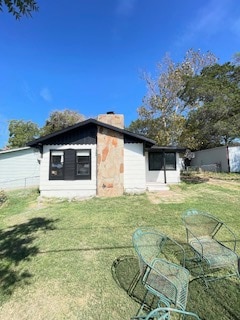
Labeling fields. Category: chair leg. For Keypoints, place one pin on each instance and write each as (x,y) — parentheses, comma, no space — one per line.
(134,283)
(141,315)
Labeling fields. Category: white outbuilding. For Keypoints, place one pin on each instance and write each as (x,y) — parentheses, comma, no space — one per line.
(19,168)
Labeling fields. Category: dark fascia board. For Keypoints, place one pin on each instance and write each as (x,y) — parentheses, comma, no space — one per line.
(167,149)
(42,140)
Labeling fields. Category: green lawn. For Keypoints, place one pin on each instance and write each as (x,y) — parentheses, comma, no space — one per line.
(75,260)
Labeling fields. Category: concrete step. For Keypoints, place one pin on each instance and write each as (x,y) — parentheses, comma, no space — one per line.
(154,186)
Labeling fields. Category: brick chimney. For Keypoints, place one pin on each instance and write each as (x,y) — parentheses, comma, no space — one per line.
(110,149)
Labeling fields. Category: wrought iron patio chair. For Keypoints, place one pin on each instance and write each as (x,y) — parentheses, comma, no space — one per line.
(166,314)
(213,244)
(166,280)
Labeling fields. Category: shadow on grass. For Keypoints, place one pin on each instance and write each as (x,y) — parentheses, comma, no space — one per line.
(16,245)
(220,301)
(193,179)
(125,271)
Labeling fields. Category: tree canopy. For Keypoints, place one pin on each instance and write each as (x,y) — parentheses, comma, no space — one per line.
(21,132)
(162,115)
(19,8)
(59,120)
(195,103)
(215,96)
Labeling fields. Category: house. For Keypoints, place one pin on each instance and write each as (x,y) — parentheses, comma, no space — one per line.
(99,157)
(223,159)
(19,168)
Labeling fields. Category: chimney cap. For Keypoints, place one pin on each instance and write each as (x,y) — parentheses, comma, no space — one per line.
(110,112)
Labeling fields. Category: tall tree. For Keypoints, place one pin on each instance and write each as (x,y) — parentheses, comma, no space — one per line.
(21,132)
(19,8)
(163,111)
(236,58)
(215,94)
(59,120)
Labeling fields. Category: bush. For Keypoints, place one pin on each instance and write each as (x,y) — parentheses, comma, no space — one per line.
(3,197)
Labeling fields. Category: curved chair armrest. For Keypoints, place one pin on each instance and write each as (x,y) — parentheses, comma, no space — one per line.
(165,262)
(190,232)
(182,250)
(194,238)
(234,238)
(164,313)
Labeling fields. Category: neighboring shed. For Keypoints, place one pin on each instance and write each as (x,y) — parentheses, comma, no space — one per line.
(19,168)
(225,159)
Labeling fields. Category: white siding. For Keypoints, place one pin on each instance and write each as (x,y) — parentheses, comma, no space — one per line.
(19,168)
(172,176)
(234,159)
(134,168)
(67,188)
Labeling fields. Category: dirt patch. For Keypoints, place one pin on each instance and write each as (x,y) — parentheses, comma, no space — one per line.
(165,196)
(176,195)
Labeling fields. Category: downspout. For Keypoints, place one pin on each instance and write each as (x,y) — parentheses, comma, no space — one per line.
(164,168)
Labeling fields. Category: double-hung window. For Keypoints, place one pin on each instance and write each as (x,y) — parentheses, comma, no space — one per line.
(159,160)
(83,161)
(70,164)
(56,164)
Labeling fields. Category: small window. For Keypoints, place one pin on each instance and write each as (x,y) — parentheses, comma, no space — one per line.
(56,164)
(170,160)
(83,167)
(156,161)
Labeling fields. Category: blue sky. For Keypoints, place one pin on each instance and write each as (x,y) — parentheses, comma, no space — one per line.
(87,55)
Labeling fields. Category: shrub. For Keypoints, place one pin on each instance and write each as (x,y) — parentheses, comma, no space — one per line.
(3,197)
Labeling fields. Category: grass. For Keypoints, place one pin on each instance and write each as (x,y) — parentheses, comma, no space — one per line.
(74,260)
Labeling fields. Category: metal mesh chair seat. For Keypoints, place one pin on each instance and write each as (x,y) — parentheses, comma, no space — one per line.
(215,253)
(165,279)
(160,275)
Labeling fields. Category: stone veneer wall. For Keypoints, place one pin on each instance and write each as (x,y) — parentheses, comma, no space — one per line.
(110,157)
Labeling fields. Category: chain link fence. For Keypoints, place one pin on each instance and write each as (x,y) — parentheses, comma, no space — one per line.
(24,182)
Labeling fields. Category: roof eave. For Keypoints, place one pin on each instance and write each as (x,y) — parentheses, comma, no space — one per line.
(166,148)
(40,141)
